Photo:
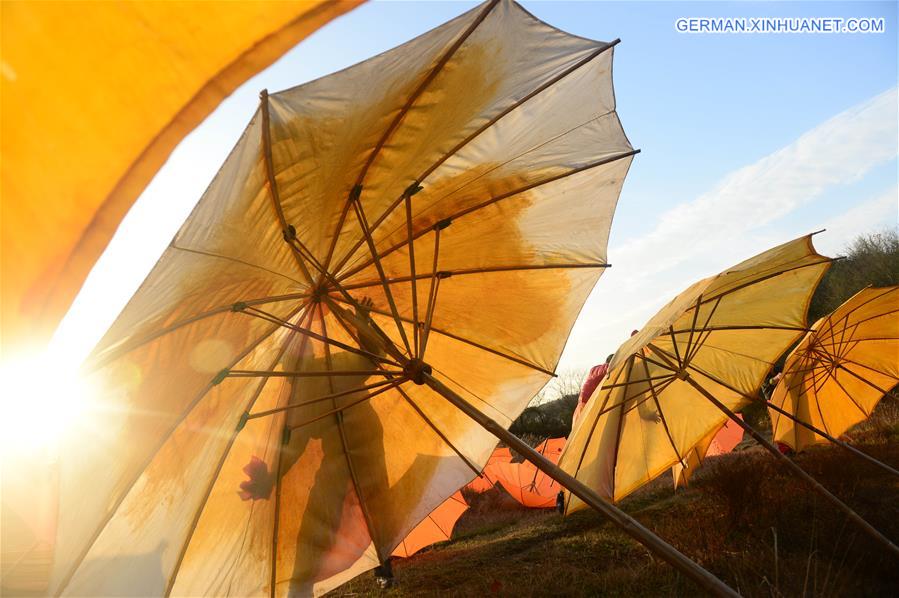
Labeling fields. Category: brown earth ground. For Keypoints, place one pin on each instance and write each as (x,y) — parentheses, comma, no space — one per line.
(744,517)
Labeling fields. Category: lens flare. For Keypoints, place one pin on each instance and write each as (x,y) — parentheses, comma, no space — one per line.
(41,400)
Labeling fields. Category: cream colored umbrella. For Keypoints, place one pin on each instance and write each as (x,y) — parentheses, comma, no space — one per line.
(95,97)
(378,280)
(700,358)
(839,372)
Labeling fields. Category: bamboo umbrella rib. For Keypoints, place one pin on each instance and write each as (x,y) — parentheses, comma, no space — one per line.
(126,348)
(439,433)
(495,199)
(323,339)
(363,225)
(514,106)
(846,392)
(274,194)
(349,406)
(865,380)
(737,327)
(756,280)
(236,261)
(646,395)
(345,444)
(732,352)
(671,334)
(499,166)
(814,396)
(791,417)
(307,374)
(468,271)
(630,368)
(467,341)
(640,381)
(164,438)
(402,114)
(326,397)
(580,462)
(831,322)
(655,398)
(199,512)
(474,395)
(429,316)
(700,340)
(412,278)
(692,328)
(306,321)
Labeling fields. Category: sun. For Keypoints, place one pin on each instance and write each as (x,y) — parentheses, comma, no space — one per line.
(42,398)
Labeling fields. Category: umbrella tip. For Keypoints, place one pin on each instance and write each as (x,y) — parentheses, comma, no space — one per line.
(263,95)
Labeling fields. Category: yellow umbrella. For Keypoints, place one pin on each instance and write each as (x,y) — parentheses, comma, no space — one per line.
(839,372)
(95,97)
(702,357)
(293,388)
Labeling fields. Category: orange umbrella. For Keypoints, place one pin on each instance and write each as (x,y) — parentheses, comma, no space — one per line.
(487,479)
(436,527)
(527,484)
(717,443)
(96,95)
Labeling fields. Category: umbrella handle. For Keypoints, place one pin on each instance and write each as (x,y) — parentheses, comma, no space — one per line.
(628,524)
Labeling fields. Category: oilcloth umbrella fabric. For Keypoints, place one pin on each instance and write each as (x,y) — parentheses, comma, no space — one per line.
(527,484)
(700,358)
(717,442)
(487,479)
(842,368)
(436,527)
(728,331)
(378,280)
(95,97)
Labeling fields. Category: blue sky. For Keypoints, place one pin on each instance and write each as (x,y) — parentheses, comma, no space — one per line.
(748,140)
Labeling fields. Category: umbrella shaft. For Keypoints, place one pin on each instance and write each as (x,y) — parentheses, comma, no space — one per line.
(867,527)
(631,526)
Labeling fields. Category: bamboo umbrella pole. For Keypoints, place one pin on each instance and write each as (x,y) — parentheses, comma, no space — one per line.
(631,526)
(855,517)
(756,399)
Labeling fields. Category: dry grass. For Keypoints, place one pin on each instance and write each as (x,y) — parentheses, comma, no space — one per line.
(745,517)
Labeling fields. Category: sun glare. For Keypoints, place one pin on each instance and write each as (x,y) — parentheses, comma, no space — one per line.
(41,400)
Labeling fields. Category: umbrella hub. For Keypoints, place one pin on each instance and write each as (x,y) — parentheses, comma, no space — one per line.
(415,369)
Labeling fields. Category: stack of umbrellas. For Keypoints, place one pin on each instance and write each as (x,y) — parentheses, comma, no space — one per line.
(704,356)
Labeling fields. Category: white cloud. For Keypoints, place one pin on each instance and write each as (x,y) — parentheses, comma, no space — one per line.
(877,213)
(734,220)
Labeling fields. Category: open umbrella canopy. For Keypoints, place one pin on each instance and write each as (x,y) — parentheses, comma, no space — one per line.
(432,218)
(95,97)
(720,336)
(842,368)
(436,527)
(716,442)
(527,484)
(487,479)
